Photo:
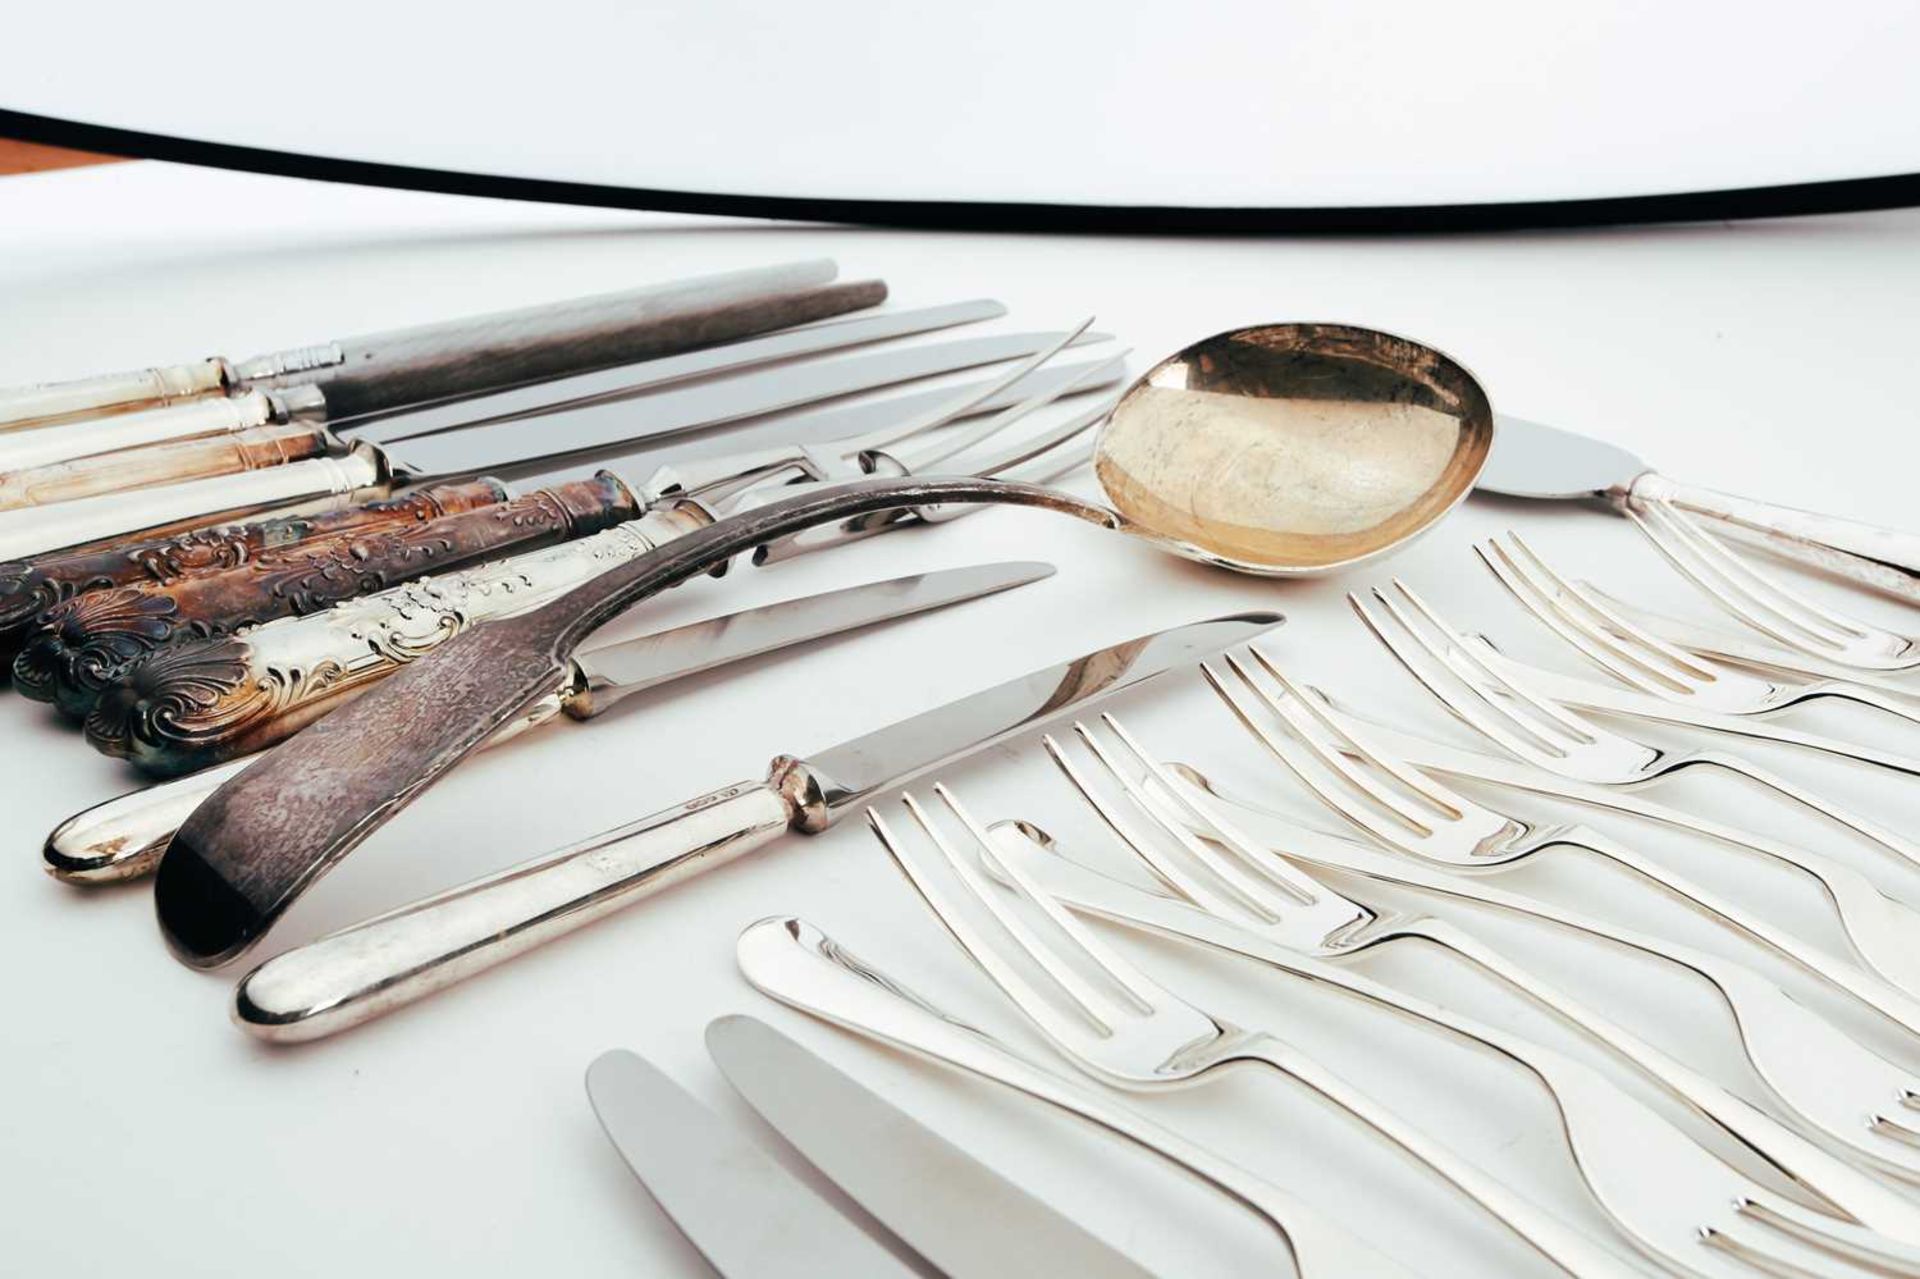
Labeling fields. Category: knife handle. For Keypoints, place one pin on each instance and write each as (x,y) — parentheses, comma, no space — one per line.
(125,837)
(81,647)
(160,464)
(320,483)
(203,702)
(46,403)
(30,587)
(1882,559)
(372,968)
(150,428)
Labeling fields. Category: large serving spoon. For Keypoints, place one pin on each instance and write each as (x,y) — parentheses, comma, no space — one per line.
(1282,449)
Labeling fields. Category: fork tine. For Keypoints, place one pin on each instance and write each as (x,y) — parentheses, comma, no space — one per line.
(959,439)
(1611,643)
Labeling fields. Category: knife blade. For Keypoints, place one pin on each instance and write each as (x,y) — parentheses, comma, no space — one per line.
(928,1191)
(749,1217)
(361,972)
(369,472)
(124,837)
(546,337)
(1536,461)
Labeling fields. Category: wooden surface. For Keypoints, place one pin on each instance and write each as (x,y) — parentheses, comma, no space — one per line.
(30,157)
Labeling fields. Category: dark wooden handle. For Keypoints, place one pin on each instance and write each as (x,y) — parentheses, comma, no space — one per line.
(89,645)
(260,840)
(30,587)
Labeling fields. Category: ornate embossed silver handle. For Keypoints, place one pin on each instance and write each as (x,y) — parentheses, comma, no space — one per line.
(45,403)
(1882,558)
(194,705)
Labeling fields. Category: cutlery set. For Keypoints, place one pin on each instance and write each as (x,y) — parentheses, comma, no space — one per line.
(237,575)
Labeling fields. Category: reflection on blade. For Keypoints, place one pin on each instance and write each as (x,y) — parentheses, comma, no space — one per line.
(1533,460)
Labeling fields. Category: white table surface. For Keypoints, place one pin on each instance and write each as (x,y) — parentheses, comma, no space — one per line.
(144,1134)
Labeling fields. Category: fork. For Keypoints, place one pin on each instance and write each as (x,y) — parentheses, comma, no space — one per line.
(1563,742)
(1245,899)
(1645,662)
(1765,604)
(797,964)
(1127,1029)
(1414,813)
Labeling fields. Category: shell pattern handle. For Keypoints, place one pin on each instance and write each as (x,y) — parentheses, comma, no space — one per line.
(81,647)
(161,464)
(30,587)
(318,484)
(1882,559)
(197,704)
(45,403)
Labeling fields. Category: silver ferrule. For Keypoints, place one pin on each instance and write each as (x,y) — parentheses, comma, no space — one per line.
(289,366)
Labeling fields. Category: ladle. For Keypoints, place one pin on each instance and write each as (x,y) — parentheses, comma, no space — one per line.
(1282,449)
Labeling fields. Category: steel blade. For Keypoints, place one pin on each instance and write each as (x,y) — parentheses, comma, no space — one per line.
(745,1213)
(627,380)
(614,671)
(1531,459)
(923,1188)
(611,425)
(891,756)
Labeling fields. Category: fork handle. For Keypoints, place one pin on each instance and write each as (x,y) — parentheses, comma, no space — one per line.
(1552,1238)
(1884,559)
(1888,838)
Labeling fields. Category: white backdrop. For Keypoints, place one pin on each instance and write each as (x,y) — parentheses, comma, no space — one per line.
(1221,102)
(144,1133)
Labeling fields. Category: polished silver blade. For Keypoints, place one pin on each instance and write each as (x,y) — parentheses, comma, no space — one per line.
(923,1188)
(613,671)
(745,1213)
(676,411)
(627,380)
(891,756)
(1533,460)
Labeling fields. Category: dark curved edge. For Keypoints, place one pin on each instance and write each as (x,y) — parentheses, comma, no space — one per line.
(1848,195)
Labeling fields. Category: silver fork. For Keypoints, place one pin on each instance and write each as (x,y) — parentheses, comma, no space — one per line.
(1414,813)
(1765,604)
(1885,933)
(1644,661)
(1123,1027)
(1247,900)
(797,964)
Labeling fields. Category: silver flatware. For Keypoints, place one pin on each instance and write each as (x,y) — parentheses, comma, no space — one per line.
(124,837)
(922,1187)
(1234,893)
(749,1217)
(1769,605)
(425,362)
(1533,460)
(795,963)
(1415,813)
(369,471)
(1643,661)
(372,968)
(1119,1025)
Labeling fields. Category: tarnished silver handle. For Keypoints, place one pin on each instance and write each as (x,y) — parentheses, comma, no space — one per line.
(1887,560)
(394,959)
(45,403)
(317,484)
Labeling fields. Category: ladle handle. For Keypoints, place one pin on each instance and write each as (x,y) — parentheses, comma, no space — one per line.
(1883,559)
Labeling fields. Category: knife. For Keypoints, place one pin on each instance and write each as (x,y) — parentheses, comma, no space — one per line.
(124,837)
(1532,460)
(749,1217)
(369,471)
(372,968)
(935,1196)
(426,362)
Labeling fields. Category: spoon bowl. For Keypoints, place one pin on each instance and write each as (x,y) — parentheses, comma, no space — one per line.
(1287,449)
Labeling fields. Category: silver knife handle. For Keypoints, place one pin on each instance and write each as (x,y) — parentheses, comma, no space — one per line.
(192,419)
(1884,559)
(362,972)
(191,705)
(46,403)
(124,837)
(317,484)
(798,965)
